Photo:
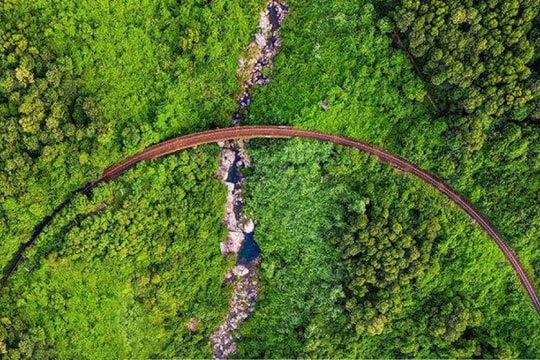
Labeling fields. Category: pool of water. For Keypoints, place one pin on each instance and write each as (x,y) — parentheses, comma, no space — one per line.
(249,250)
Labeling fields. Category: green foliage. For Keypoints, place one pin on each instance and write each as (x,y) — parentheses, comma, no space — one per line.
(480,51)
(125,281)
(495,169)
(300,288)
(346,59)
(360,261)
(85,83)
(418,280)
(490,157)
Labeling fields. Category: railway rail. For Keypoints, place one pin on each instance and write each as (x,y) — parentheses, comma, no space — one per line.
(251,132)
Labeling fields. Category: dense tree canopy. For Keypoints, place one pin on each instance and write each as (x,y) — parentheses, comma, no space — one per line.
(123,273)
(481,50)
(480,59)
(85,83)
(362,262)
(358,260)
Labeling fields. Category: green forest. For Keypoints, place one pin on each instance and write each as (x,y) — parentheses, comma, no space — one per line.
(401,272)
(358,260)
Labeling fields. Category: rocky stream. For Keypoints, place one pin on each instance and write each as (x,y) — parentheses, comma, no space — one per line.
(244,277)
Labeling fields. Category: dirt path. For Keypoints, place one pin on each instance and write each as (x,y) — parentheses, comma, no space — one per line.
(251,132)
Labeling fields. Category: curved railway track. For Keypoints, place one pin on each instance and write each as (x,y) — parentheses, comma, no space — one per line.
(250,132)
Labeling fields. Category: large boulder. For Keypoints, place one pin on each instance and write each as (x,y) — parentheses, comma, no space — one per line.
(240,270)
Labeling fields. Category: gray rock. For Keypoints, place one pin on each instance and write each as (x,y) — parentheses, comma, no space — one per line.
(240,270)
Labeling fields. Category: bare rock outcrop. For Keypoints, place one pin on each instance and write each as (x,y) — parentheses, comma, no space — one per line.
(241,305)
